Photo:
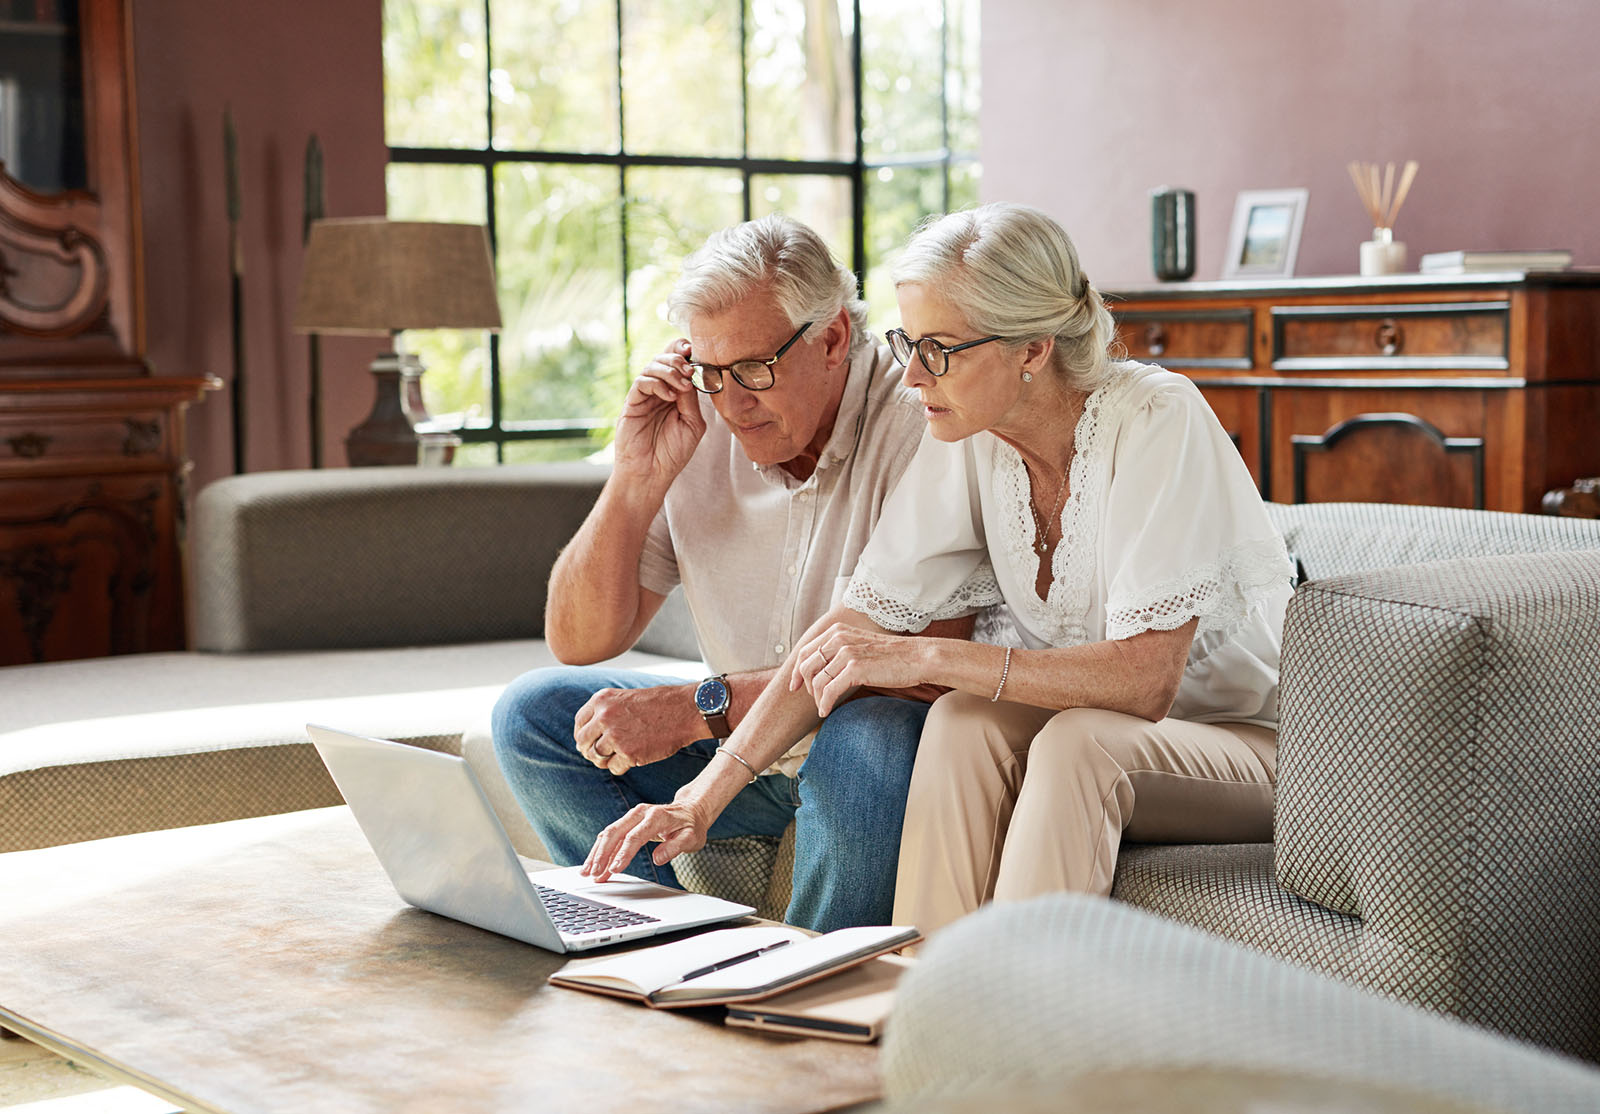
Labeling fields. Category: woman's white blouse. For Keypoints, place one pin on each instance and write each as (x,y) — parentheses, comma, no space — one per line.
(1162,524)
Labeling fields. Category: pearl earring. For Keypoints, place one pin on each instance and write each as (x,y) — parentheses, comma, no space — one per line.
(1027,377)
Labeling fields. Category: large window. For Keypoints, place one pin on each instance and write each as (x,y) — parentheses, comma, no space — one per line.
(602,142)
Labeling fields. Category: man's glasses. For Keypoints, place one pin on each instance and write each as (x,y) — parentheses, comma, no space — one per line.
(934,356)
(752,375)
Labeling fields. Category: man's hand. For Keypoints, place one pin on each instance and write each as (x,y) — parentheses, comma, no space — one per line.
(622,728)
(661,421)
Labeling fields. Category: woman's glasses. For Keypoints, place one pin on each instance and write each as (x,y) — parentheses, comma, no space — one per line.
(752,375)
(934,356)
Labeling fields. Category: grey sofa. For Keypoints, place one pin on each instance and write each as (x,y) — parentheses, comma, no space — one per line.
(1437,835)
(1437,842)
(392,602)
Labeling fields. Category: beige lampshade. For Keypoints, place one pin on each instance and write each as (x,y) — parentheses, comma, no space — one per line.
(367,275)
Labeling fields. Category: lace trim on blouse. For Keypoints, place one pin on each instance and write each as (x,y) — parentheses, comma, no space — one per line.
(1059,618)
(1220,594)
(878,601)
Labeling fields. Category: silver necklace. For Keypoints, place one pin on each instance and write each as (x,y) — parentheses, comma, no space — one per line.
(1042,541)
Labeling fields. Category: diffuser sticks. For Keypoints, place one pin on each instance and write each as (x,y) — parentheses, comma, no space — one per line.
(1377,190)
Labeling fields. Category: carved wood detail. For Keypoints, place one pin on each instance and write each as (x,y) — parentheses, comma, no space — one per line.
(43,570)
(42,575)
(143,436)
(1581,500)
(30,445)
(54,277)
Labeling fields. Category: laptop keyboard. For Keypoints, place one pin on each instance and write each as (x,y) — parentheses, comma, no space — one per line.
(579,915)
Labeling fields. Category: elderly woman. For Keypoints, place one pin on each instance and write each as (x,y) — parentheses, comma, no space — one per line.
(1102,502)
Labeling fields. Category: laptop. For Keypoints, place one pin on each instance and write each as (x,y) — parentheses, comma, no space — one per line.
(443,847)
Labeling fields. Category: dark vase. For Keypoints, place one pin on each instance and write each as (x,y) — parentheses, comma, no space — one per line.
(1172,233)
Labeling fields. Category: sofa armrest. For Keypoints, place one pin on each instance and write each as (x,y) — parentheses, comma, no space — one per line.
(1330,539)
(1438,766)
(343,558)
(1026,997)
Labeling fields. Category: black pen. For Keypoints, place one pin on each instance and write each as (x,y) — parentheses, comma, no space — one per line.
(698,971)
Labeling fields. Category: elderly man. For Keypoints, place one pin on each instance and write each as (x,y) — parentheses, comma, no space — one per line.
(750,464)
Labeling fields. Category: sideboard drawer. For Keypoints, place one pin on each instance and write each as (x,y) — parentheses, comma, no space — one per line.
(97,437)
(1218,338)
(1453,336)
(1419,446)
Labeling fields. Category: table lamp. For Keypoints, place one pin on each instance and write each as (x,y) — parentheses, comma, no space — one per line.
(372,276)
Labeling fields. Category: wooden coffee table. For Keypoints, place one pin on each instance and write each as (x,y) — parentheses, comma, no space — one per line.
(267,965)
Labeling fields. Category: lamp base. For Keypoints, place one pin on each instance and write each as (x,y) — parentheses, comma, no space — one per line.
(389,434)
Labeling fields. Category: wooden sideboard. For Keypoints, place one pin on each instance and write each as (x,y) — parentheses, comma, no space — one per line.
(1461,391)
(92,459)
(92,487)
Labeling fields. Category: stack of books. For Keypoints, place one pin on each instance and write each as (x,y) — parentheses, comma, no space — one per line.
(1474,262)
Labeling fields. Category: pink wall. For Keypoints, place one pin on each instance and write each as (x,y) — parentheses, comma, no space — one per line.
(1498,101)
(288,68)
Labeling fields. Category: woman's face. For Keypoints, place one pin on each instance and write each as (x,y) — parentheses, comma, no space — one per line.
(983,384)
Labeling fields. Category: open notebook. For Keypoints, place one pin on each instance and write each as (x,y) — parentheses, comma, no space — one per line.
(732,964)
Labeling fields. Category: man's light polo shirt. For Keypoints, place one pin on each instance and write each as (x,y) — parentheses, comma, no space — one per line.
(762,555)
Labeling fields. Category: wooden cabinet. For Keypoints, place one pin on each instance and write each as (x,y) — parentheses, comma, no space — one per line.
(92,459)
(1466,391)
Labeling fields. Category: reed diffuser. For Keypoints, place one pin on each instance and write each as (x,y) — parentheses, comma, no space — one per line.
(1383,254)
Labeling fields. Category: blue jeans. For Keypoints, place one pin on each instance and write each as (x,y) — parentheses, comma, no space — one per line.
(847,803)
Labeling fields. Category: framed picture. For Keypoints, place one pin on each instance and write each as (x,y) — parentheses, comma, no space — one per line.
(1265,237)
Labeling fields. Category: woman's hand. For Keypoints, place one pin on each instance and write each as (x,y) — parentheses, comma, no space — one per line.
(679,826)
(845,657)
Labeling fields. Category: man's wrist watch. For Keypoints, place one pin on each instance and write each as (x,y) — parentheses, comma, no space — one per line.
(713,698)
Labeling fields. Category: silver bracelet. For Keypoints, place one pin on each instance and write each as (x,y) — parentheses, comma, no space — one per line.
(1005,671)
(723,749)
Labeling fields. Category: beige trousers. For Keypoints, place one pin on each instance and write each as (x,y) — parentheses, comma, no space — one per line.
(1008,801)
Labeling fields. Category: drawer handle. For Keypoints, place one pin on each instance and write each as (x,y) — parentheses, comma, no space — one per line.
(1390,336)
(30,446)
(142,438)
(1155,339)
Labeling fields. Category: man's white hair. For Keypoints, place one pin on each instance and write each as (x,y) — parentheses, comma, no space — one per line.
(778,253)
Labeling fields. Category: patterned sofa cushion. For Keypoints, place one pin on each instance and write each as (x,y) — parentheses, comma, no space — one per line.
(1439,763)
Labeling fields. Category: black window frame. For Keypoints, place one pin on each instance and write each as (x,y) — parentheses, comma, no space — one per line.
(497,430)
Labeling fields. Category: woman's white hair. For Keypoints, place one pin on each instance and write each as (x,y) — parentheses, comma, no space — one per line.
(1013,272)
(775,252)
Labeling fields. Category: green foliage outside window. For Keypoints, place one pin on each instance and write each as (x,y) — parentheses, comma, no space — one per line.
(599,180)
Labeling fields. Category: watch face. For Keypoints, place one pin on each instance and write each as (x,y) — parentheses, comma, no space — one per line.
(711,697)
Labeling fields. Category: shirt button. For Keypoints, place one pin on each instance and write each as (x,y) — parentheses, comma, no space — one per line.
(803,495)
(792,570)
(778,649)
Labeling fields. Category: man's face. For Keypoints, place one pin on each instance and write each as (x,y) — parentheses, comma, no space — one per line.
(791,420)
